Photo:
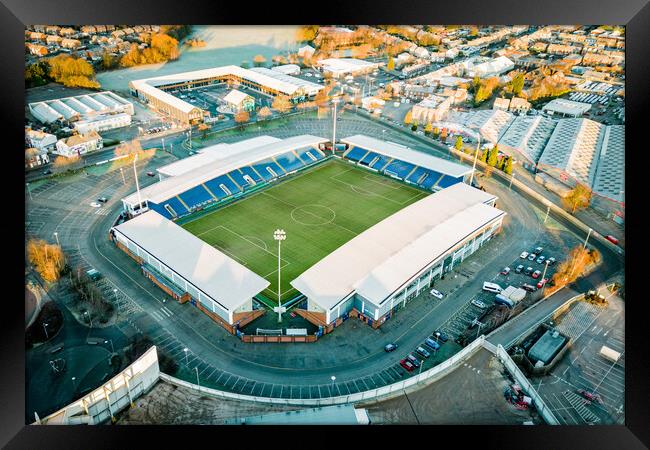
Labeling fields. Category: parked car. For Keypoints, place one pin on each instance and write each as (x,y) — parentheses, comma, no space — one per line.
(528,287)
(151,174)
(536,274)
(413,359)
(408,365)
(431,343)
(442,337)
(505,271)
(523,255)
(96,205)
(612,239)
(479,304)
(390,347)
(519,268)
(422,352)
(541,283)
(528,271)
(102,199)
(551,261)
(539,250)
(436,293)
(532,257)
(541,259)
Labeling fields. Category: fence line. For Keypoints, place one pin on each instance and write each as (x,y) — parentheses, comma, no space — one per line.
(521,379)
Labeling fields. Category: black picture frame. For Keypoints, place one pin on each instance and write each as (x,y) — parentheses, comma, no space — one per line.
(15,14)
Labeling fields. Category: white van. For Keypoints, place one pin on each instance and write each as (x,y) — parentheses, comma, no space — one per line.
(492,287)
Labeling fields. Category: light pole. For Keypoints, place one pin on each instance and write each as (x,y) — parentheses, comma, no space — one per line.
(30,191)
(544,276)
(137,185)
(56,236)
(186,350)
(74,387)
(122,173)
(478,145)
(335,101)
(548,209)
(45,325)
(112,348)
(280,235)
(587,238)
(512,177)
(196,369)
(90,319)
(333,378)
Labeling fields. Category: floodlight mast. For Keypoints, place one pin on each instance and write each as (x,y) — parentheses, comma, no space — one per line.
(279,235)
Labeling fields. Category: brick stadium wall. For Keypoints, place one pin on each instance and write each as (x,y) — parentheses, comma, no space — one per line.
(216,318)
(278,339)
(244,318)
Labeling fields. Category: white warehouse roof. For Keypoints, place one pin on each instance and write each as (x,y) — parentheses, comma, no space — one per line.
(213,153)
(345,65)
(528,135)
(235,97)
(83,106)
(420,231)
(222,278)
(567,107)
(408,155)
(171,187)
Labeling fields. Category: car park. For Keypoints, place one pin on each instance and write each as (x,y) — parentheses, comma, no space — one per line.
(390,347)
(413,359)
(541,283)
(523,255)
(541,259)
(422,352)
(532,257)
(528,271)
(431,343)
(436,293)
(478,304)
(536,274)
(505,271)
(519,268)
(408,365)
(528,287)
(442,337)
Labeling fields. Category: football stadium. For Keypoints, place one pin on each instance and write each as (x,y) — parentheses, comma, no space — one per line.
(366,228)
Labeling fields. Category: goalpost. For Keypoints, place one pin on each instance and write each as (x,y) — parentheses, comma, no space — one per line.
(264,331)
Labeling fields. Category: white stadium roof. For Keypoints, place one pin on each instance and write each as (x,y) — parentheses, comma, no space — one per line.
(222,278)
(408,155)
(213,153)
(379,260)
(271,79)
(173,186)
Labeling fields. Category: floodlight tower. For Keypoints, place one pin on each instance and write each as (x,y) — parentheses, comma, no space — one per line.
(335,102)
(279,235)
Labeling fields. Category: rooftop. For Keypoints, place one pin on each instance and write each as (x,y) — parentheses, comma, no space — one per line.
(220,277)
(568,107)
(326,415)
(235,97)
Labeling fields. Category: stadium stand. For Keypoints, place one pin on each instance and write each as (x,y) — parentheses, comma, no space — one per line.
(355,154)
(399,168)
(289,162)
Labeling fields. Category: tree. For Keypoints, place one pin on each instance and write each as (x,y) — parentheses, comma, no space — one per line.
(259,60)
(242,117)
(484,156)
(37,74)
(443,135)
(428,129)
(575,265)
(264,113)
(62,163)
(408,118)
(391,63)
(578,197)
(517,83)
(508,166)
(281,103)
(306,33)
(72,72)
(493,156)
(47,259)
(436,132)
(414,126)
(459,142)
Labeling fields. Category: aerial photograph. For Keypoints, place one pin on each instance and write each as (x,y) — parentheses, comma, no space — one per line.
(324,224)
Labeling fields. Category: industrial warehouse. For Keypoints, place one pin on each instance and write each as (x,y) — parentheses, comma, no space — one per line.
(157,92)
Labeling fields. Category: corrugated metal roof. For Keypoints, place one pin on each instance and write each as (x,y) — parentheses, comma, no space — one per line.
(171,187)
(216,274)
(235,97)
(387,254)
(408,155)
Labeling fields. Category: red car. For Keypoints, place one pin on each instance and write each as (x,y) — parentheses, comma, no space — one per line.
(407,365)
(536,274)
(541,283)
(612,239)
(591,397)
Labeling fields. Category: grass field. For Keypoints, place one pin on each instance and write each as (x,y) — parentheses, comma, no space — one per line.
(320,210)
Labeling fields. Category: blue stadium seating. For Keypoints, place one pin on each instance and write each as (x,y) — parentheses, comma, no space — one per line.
(449,181)
(261,168)
(213,185)
(399,168)
(356,154)
(176,205)
(196,196)
(246,170)
(430,180)
(416,175)
(289,161)
(306,159)
(381,162)
(368,158)
(159,209)
(239,179)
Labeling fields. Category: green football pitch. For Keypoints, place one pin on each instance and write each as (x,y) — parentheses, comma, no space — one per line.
(320,210)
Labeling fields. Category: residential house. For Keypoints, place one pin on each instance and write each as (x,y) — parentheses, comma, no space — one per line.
(79,144)
(40,140)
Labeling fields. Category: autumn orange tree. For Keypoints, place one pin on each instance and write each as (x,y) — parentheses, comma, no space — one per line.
(282,104)
(578,260)
(47,259)
(264,113)
(242,117)
(578,197)
(258,60)
(72,72)
(62,163)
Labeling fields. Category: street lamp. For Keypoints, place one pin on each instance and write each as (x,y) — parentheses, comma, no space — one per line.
(90,319)
(56,235)
(122,173)
(186,350)
(30,191)
(111,341)
(333,378)
(544,276)
(45,325)
(197,377)
(335,102)
(280,235)
(74,388)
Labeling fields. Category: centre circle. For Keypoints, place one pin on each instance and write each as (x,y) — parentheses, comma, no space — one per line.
(313,214)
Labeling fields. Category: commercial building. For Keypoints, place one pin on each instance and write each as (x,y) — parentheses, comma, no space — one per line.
(190,270)
(288,69)
(40,140)
(79,144)
(35,157)
(431,109)
(516,104)
(103,123)
(80,107)
(526,137)
(237,101)
(379,270)
(156,92)
(346,66)
(566,108)
(487,67)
